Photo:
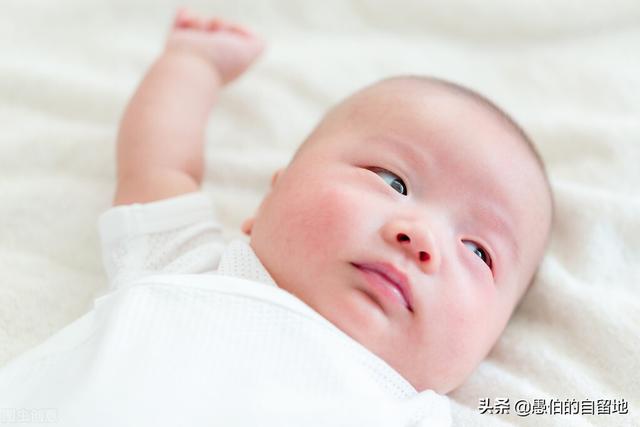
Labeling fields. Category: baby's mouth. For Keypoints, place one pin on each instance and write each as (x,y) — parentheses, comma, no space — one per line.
(393,281)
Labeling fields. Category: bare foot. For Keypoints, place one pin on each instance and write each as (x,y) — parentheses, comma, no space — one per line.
(229,47)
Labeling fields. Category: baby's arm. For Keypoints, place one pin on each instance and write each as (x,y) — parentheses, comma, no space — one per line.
(161,135)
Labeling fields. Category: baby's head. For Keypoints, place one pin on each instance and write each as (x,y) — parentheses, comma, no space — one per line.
(429,178)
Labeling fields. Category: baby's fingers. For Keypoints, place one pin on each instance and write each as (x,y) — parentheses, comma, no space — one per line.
(239,30)
(213,25)
(184,19)
(216,24)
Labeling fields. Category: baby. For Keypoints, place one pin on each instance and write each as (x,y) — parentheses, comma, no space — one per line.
(413,218)
(424,184)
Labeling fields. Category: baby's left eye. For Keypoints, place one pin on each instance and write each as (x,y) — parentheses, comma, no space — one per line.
(479,250)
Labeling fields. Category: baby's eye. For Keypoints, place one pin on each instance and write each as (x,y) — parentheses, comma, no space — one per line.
(478,250)
(397,183)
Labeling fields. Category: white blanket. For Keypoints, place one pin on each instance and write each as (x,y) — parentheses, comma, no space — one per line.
(568,71)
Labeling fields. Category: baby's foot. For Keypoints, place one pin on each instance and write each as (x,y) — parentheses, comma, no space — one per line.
(229,47)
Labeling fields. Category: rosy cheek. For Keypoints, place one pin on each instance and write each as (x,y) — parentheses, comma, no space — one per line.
(328,214)
(463,301)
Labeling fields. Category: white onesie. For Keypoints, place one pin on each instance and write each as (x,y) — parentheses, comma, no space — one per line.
(195,332)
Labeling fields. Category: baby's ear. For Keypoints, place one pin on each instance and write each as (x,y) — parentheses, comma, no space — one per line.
(276,176)
(247,226)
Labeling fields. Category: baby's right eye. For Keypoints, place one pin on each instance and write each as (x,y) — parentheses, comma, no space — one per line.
(397,183)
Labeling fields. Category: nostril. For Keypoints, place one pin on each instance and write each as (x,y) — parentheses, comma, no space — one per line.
(403,238)
(424,256)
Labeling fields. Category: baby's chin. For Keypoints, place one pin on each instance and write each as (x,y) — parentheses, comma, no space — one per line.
(423,382)
(440,373)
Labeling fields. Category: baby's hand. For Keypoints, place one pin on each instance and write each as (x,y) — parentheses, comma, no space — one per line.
(228,47)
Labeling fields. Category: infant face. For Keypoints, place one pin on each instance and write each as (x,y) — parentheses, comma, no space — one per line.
(423,181)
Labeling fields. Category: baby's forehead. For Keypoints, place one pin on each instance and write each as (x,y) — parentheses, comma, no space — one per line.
(427,98)
(395,93)
(430,93)
(389,96)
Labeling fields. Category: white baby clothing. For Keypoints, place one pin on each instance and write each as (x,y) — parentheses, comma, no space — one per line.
(195,332)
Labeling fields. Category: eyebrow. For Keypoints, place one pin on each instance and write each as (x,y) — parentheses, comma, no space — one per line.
(494,218)
(410,154)
(490,212)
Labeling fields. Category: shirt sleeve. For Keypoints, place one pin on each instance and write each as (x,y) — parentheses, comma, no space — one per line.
(180,235)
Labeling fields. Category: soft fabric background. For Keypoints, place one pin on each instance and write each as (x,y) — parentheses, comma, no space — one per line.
(568,71)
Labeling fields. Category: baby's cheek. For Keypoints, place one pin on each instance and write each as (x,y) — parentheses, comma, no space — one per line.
(329,217)
(449,311)
(472,321)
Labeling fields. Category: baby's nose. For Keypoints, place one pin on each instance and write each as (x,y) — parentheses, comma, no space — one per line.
(424,256)
(418,242)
